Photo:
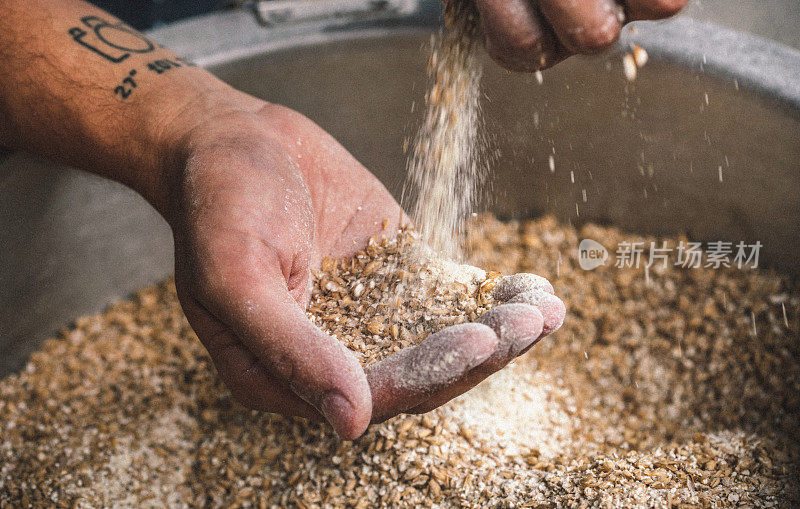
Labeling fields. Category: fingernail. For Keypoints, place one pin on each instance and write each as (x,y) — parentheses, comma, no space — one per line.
(338,412)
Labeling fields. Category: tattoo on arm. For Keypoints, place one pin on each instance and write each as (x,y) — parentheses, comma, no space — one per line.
(113,41)
(125,89)
(116,42)
(165,64)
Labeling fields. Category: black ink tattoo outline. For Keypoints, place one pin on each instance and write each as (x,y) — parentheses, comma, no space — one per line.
(165,64)
(121,90)
(111,50)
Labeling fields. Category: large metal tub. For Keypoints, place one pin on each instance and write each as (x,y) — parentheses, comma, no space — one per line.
(647,154)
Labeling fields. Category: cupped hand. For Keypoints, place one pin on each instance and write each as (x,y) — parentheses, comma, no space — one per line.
(528,35)
(260,197)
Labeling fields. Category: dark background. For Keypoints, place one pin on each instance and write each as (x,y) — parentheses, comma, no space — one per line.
(144,14)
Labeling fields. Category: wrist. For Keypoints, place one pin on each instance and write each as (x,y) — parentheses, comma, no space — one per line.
(172,116)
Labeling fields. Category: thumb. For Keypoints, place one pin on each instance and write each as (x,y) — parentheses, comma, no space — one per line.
(315,366)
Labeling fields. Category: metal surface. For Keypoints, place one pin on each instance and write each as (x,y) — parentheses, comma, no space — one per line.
(273,12)
(774,19)
(72,244)
(647,154)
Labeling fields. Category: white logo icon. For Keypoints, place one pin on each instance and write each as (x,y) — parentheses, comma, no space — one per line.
(591,254)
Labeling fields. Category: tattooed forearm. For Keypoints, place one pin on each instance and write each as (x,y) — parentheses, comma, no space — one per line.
(115,42)
(165,64)
(125,89)
(79,85)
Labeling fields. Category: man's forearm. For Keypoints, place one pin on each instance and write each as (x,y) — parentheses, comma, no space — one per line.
(78,85)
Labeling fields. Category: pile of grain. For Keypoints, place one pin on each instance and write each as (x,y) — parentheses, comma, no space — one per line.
(655,392)
(381,300)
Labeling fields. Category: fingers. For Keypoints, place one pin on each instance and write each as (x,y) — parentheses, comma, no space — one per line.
(510,286)
(525,288)
(552,308)
(517,36)
(267,321)
(456,359)
(584,26)
(409,377)
(317,367)
(530,312)
(527,35)
(654,9)
(518,326)
(247,379)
